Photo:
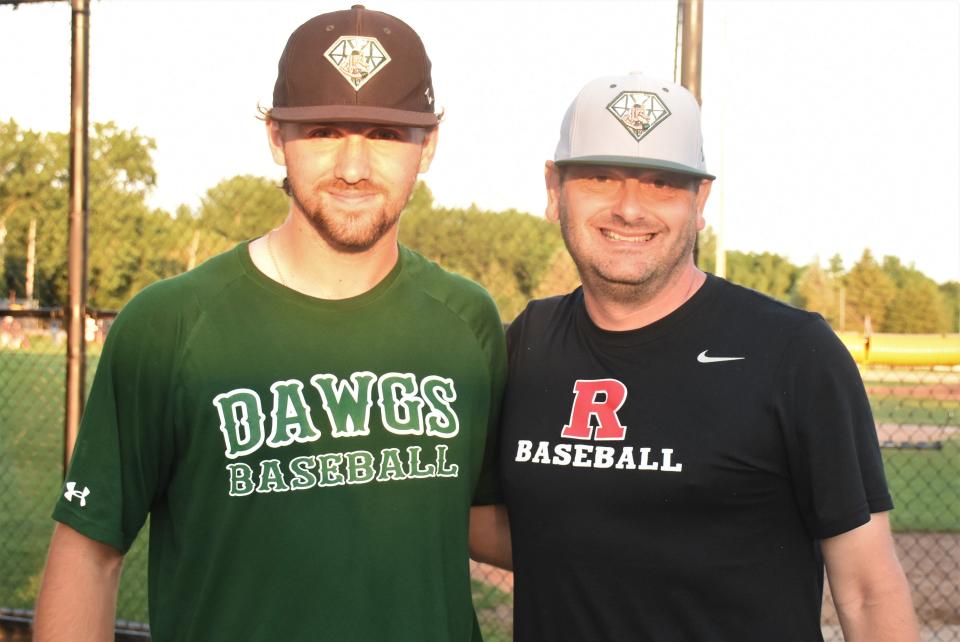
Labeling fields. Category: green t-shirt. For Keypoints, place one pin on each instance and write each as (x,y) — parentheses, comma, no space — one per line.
(308,465)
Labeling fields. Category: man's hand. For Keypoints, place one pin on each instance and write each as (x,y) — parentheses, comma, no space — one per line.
(869,588)
(78,597)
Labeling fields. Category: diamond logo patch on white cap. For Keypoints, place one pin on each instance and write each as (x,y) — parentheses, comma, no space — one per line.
(357,58)
(638,111)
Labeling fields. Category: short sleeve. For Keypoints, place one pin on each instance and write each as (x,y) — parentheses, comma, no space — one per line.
(488,490)
(123,447)
(831,438)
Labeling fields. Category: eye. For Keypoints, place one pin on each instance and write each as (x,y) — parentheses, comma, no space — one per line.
(385,133)
(667,182)
(322,132)
(600,178)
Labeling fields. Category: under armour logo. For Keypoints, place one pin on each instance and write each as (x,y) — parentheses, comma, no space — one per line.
(73,492)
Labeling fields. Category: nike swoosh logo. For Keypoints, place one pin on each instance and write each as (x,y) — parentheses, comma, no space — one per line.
(703,358)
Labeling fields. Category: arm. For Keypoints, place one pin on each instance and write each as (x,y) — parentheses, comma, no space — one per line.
(78,597)
(869,588)
(490,536)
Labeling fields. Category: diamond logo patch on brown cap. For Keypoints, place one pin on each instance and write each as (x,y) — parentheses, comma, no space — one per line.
(357,58)
(638,111)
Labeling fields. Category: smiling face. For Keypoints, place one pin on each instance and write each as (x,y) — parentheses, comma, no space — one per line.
(350,181)
(630,231)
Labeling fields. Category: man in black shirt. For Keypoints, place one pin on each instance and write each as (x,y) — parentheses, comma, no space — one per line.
(680,455)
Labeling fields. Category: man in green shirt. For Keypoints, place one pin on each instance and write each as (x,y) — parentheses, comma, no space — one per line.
(304,417)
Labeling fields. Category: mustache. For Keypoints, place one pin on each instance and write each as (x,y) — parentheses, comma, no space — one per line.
(364,186)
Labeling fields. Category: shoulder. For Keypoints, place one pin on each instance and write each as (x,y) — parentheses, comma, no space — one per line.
(797,340)
(172,303)
(462,296)
(543,316)
(542,311)
(758,312)
(465,301)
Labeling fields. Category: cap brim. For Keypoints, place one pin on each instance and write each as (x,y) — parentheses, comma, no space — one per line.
(634,161)
(354,113)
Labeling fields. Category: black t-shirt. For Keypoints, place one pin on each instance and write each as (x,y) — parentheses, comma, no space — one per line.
(671,482)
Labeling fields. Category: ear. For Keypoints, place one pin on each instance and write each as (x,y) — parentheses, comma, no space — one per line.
(702,195)
(551,176)
(275,140)
(429,149)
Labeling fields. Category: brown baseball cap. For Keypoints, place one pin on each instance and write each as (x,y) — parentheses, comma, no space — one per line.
(355,66)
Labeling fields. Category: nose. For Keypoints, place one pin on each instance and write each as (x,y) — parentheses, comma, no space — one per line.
(630,202)
(353,159)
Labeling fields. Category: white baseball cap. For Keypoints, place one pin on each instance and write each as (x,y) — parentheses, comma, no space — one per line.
(633,121)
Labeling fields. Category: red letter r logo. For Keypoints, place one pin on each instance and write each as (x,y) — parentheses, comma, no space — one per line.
(600,398)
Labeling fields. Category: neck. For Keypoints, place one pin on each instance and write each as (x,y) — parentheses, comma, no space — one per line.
(298,257)
(619,315)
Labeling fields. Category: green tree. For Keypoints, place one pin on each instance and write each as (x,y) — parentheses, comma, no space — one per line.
(769,273)
(122,257)
(507,252)
(707,250)
(950,291)
(869,291)
(818,290)
(766,272)
(918,305)
(835,266)
(560,277)
(242,207)
(33,167)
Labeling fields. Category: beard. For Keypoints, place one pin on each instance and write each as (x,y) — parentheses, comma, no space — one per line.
(346,229)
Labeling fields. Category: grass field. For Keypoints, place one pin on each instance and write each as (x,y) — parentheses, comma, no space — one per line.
(925,483)
(31,438)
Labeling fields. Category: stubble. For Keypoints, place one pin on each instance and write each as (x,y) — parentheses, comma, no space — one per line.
(608,279)
(346,230)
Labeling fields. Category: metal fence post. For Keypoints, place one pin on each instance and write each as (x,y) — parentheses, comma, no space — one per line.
(77,270)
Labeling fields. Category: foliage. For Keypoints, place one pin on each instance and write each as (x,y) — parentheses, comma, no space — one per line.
(706,251)
(516,256)
(869,290)
(242,207)
(126,237)
(950,291)
(917,305)
(895,297)
(769,273)
(765,272)
(820,291)
(518,250)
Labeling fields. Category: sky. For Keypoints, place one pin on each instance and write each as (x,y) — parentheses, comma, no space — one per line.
(831,126)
